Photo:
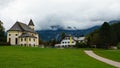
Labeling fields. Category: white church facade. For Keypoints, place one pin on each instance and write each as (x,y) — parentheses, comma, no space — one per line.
(23,34)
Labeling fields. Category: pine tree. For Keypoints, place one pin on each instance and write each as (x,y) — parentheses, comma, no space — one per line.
(105,34)
(63,35)
(2,33)
(116,33)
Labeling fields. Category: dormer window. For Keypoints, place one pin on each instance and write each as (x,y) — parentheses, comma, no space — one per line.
(16,34)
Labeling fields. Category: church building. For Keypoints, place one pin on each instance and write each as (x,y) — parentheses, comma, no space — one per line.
(21,34)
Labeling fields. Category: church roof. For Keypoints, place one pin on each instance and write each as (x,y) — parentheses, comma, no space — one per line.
(31,22)
(18,26)
(27,35)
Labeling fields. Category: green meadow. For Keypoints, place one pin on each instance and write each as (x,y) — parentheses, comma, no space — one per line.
(110,54)
(33,57)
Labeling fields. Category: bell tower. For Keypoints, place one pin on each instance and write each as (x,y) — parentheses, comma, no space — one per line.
(31,24)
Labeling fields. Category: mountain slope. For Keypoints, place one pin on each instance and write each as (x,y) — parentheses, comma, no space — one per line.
(55,34)
(56,31)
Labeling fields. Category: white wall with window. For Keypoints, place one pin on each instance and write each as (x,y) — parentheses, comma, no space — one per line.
(69,41)
(12,37)
(27,41)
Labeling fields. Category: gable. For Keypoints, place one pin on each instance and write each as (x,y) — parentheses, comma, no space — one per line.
(18,26)
(31,22)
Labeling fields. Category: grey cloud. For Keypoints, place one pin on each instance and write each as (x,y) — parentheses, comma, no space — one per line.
(80,14)
(5,3)
(49,21)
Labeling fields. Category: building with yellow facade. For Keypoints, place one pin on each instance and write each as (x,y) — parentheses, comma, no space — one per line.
(23,34)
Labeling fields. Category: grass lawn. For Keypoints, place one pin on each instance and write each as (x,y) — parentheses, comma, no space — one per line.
(28,57)
(110,54)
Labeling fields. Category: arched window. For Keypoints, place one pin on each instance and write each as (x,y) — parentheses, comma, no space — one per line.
(29,39)
(29,44)
(9,40)
(21,39)
(34,39)
(16,41)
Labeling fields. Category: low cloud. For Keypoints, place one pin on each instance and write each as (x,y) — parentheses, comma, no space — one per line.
(5,3)
(80,14)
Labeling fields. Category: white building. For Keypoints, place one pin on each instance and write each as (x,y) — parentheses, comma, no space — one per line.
(70,41)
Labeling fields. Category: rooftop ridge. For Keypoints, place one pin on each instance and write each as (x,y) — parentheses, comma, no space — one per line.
(19,26)
(31,22)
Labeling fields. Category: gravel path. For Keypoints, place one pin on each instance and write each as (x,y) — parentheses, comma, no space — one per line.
(108,61)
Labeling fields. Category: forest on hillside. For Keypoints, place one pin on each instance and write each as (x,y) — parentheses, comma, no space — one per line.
(106,36)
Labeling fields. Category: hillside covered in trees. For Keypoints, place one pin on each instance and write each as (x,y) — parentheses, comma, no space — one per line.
(105,37)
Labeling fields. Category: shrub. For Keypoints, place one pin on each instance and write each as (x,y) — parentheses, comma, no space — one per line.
(81,45)
(118,45)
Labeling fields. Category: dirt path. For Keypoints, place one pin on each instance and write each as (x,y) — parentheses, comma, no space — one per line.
(105,60)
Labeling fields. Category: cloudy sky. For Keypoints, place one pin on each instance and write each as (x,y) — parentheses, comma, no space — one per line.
(81,14)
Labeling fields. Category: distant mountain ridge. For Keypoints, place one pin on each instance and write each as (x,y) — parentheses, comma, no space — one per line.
(47,35)
(114,21)
(56,30)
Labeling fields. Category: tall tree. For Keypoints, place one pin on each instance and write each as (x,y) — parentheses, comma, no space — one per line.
(93,38)
(63,35)
(105,34)
(116,33)
(2,33)
(1,26)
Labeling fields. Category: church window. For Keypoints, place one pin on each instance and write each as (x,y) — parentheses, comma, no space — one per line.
(9,40)
(34,39)
(25,39)
(21,39)
(16,34)
(29,39)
